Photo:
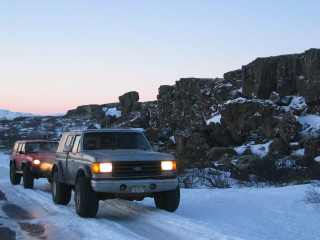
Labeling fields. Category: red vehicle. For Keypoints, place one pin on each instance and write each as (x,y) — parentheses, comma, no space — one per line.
(31,159)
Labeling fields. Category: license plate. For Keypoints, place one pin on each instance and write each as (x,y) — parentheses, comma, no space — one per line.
(137,189)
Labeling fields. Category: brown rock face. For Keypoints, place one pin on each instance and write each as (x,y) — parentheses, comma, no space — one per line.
(247,115)
(289,127)
(258,104)
(312,148)
(259,77)
(308,84)
(286,75)
(92,111)
(129,102)
(129,99)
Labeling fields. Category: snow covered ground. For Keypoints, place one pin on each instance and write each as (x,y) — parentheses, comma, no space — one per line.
(236,213)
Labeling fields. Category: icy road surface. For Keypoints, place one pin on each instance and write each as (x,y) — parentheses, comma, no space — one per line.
(246,213)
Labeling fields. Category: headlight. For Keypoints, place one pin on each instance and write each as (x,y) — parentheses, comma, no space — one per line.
(168,165)
(36,161)
(102,167)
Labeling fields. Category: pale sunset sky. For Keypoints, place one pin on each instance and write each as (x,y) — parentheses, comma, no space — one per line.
(57,55)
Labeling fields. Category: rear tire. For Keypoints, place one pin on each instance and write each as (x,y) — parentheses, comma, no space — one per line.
(28,178)
(61,193)
(86,199)
(15,178)
(168,200)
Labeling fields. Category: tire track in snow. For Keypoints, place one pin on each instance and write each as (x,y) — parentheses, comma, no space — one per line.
(116,219)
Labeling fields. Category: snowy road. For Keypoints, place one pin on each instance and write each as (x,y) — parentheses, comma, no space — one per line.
(247,213)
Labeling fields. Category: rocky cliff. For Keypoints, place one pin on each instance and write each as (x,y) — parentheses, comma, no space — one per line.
(261,120)
(263,105)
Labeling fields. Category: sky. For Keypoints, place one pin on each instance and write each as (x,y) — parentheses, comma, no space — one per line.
(57,55)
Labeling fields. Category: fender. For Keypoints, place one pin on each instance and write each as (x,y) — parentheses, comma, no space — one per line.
(84,169)
(58,167)
(87,170)
(25,163)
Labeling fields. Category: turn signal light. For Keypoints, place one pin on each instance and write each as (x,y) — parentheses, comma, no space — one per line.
(102,167)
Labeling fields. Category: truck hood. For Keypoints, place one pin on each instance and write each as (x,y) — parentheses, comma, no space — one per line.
(127,155)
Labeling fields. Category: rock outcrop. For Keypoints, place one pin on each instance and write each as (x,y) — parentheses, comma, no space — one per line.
(286,75)
(252,116)
(255,108)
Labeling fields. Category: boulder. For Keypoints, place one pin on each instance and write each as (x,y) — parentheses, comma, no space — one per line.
(93,111)
(216,153)
(247,115)
(129,102)
(234,78)
(220,136)
(288,127)
(278,148)
(312,147)
(128,99)
(191,150)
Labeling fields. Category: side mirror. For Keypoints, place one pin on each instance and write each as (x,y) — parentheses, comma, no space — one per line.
(67,149)
(155,147)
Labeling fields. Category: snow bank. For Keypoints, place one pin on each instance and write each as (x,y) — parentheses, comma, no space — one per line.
(111,112)
(297,102)
(215,119)
(257,149)
(173,139)
(208,214)
(310,124)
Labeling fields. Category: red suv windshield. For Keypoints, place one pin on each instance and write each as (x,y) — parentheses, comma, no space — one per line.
(41,147)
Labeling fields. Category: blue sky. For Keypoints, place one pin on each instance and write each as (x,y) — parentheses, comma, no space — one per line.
(57,55)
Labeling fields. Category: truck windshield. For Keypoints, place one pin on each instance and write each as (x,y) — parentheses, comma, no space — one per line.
(114,140)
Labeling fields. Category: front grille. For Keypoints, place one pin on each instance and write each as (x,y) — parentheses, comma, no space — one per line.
(136,169)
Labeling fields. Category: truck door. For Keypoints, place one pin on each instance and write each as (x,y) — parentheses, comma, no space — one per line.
(74,160)
(20,155)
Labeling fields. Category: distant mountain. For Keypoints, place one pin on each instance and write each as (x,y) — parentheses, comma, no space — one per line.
(8,115)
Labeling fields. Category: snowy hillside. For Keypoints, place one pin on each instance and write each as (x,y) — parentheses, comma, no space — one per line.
(8,115)
(235,213)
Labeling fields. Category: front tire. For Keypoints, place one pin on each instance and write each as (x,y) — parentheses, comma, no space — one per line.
(49,180)
(28,178)
(15,178)
(168,200)
(86,199)
(61,193)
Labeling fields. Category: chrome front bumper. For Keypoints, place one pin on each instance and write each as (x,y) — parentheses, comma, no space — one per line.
(134,186)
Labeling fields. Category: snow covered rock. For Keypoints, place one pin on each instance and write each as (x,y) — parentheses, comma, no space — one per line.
(247,115)
(312,147)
